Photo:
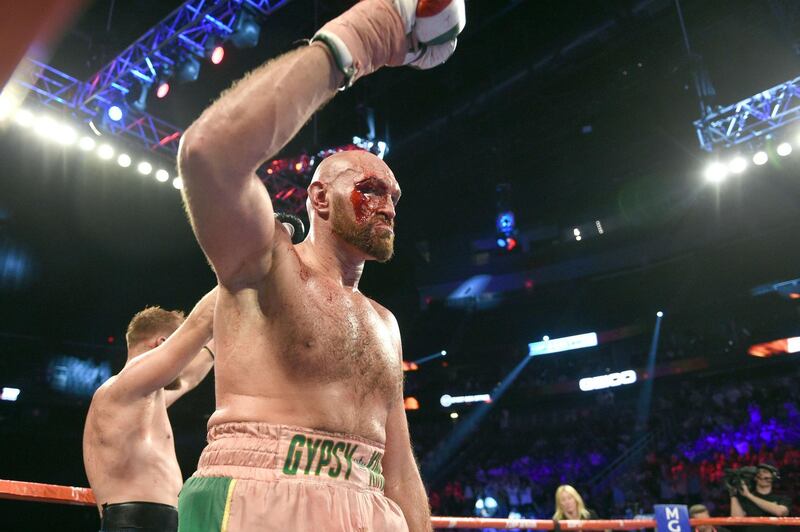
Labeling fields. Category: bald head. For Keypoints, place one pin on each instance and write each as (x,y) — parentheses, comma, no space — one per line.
(333,166)
(352,199)
(351,164)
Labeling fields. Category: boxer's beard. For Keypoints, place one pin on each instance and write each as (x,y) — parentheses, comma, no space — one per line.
(363,236)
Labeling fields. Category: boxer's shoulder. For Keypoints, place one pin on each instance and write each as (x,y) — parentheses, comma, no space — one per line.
(385,314)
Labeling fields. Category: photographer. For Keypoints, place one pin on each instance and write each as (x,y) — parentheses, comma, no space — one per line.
(761,503)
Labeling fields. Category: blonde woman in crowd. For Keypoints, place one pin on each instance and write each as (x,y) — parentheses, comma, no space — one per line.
(569,505)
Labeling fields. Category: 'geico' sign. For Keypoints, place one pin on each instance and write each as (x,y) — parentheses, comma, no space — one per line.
(607,381)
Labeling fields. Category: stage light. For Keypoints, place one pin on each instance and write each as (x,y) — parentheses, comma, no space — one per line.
(444,353)
(576,232)
(511,243)
(760,158)
(449,400)
(144,168)
(501,242)
(46,127)
(65,135)
(599,226)
(86,143)
(660,314)
(162,90)
(124,160)
(188,69)
(6,108)
(140,104)
(163,176)
(506,223)
(217,55)
(105,152)
(24,118)
(115,113)
(716,172)
(177,183)
(783,149)
(298,166)
(545,338)
(737,165)
(578,238)
(9,394)
(411,403)
(453,415)
(246,31)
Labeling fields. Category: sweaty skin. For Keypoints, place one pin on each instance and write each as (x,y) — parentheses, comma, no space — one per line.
(128,447)
(298,343)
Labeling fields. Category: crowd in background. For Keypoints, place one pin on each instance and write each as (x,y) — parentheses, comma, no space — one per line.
(697,428)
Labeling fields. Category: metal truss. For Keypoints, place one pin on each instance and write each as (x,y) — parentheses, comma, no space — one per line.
(61,92)
(188,31)
(185,32)
(751,118)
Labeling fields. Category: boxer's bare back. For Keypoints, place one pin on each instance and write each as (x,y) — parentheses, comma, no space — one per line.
(129,452)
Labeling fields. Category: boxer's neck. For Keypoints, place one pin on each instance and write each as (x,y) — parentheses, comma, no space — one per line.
(333,258)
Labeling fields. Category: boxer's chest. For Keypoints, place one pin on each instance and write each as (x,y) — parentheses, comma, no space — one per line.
(336,336)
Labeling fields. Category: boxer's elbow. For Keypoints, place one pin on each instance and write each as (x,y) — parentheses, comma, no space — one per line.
(195,156)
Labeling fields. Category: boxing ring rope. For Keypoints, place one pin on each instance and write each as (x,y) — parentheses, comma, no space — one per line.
(599,524)
(36,492)
(33,491)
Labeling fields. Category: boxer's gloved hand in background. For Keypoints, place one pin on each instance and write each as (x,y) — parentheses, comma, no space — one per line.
(375,33)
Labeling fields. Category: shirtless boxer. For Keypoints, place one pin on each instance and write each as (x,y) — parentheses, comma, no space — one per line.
(310,433)
(128,449)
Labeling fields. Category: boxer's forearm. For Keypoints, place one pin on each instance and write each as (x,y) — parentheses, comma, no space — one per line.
(410,496)
(254,119)
(194,373)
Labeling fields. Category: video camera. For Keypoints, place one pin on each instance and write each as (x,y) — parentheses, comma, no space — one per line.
(734,478)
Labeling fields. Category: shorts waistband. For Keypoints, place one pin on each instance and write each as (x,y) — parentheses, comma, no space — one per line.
(145,516)
(264,451)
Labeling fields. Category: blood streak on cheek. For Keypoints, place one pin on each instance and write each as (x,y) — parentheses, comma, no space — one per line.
(361,205)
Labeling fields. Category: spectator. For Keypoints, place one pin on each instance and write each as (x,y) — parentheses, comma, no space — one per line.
(569,505)
(699,511)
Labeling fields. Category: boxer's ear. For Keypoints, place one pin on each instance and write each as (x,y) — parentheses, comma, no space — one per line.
(320,201)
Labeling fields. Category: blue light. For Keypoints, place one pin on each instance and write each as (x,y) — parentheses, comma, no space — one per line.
(501,243)
(558,345)
(506,223)
(115,113)
(77,376)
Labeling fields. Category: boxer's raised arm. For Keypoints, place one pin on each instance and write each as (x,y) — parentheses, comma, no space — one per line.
(192,375)
(162,365)
(229,208)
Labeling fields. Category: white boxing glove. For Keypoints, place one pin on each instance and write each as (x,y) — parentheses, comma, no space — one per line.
(433,27)
(374,33)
